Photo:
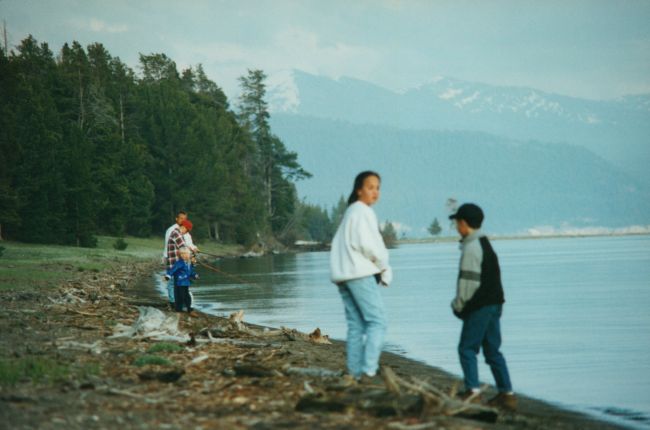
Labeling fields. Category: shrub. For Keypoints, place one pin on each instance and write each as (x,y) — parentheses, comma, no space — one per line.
(120,244)
(35,369)
(147,359)
(164,347)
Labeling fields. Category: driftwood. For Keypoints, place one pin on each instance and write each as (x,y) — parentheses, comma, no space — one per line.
(152,324)
(254,370)
(399,398)
(93,348)
(317,337)
(318,372)
(438,402)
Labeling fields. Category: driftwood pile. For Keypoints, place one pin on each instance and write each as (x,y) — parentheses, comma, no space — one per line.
(160,367)
(325,390)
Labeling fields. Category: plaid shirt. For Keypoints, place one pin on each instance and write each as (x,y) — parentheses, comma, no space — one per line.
(174,244)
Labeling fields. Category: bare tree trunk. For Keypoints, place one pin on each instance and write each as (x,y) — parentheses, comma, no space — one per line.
(269,193)
(215,225)
(82,113)
(122,118)
(4,24)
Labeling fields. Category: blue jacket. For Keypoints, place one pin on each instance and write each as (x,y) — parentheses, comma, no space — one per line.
(182,272)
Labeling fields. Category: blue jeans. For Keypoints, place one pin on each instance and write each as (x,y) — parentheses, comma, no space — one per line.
(481,329)
(170,289)
(364,312)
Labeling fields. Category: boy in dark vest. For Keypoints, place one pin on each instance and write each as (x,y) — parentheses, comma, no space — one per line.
(478,302)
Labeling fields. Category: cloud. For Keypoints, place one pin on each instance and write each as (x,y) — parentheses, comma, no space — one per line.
(99,26)
(289,48)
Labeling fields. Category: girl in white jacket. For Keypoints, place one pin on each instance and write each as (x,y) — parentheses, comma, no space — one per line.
(359,264)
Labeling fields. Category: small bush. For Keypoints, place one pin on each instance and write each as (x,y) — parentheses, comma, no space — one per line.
(2,250)
(120,244)
(165,347)
(35,369)
(147,359)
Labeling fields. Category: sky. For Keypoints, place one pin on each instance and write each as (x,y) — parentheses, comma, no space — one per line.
(583,48)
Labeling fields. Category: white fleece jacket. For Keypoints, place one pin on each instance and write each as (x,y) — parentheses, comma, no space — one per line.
(358,249)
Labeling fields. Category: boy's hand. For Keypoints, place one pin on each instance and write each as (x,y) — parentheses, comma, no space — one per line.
(166,277)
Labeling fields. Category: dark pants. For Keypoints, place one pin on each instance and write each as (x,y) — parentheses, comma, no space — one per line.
(481,329)
(182,297)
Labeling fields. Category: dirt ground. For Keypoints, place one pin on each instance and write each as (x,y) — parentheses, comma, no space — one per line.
(62,368)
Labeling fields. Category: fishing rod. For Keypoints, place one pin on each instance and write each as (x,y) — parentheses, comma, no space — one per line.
(211,255)
(228,275)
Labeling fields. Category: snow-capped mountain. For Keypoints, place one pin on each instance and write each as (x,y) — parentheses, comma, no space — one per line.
(618,130)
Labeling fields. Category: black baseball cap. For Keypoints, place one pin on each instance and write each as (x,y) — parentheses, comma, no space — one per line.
(470,213)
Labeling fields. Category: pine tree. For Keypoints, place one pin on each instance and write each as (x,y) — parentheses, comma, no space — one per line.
(389,235)
(435,229)
(277,167)
(38,141)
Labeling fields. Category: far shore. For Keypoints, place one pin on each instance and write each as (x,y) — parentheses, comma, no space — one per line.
(446,239)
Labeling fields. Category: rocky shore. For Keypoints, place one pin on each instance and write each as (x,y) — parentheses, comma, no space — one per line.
(98,352)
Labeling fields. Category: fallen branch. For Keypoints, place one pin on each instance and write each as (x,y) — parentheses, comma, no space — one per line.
(442,403)
(87,314)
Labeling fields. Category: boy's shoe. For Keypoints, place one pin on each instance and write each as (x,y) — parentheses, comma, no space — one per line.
(193,314)
(504,401)
(375,379)
(470,396)
(370,380)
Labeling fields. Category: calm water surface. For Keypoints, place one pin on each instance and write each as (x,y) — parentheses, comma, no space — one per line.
(576,323)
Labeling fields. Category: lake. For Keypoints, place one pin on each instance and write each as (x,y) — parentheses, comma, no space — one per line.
(576,323)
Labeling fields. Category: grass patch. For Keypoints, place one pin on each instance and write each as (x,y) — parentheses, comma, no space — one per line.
(13,371)
(149,359)
(89,369)
(164,347)
(32,266)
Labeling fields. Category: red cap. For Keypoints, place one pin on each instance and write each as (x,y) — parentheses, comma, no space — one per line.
(187,224)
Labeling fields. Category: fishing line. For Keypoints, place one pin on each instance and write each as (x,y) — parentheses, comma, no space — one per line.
(228,275)
(211,255)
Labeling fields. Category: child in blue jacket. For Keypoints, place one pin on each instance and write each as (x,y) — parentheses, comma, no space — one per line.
(183,272)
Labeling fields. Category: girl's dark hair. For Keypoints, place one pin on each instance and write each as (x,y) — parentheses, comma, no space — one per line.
(358,184)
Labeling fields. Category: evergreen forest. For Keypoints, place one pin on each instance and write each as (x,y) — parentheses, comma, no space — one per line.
(89,146)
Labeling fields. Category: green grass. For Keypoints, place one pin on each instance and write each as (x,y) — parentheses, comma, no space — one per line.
(39,369)
(32,266)
(164,347)
(42,370)
(148,359)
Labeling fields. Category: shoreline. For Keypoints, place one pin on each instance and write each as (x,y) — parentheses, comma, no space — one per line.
(228,374)
(442,377)
(447,239)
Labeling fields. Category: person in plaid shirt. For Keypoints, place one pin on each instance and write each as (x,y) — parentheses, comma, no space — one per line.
(174,244)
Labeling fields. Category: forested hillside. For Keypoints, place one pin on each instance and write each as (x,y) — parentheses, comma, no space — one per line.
(89,146)
(520,184)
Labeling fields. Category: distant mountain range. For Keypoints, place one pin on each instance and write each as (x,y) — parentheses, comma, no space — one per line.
(520,184)
(618,130)
(530,158)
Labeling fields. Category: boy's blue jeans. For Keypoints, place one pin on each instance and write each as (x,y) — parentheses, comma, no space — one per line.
(364,312)
(482,329)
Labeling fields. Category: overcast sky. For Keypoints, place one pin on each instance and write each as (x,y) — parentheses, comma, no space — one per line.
(584,48)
